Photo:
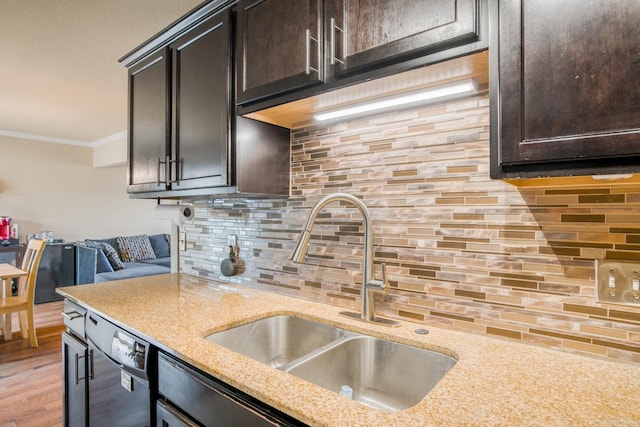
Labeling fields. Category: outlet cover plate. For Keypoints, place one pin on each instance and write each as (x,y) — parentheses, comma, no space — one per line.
(182,241)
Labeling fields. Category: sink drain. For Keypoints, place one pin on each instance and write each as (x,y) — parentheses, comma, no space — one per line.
(421,331)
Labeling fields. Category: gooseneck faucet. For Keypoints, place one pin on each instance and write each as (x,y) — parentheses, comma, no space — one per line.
(369,283)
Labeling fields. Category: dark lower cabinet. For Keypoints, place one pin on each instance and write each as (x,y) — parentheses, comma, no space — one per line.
(75,386)
(565,93)
(191,398)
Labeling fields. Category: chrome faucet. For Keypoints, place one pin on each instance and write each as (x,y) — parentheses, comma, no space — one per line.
(369,284)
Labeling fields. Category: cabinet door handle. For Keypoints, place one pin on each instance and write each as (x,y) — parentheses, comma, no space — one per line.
(160,162)
(332,42)
(308,39)
(90,364)
(178,167)
(78,378)
(167,170)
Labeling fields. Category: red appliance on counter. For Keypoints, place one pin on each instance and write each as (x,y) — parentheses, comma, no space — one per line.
(5,227)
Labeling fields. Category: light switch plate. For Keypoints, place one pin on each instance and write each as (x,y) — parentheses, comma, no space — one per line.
(615,282)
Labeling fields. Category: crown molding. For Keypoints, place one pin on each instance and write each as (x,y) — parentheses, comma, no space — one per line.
(111,138)
(65,141)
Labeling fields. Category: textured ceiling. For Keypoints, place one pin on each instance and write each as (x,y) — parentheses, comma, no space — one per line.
(60,79)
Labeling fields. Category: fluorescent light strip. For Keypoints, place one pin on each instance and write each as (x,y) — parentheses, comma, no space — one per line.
(463,86)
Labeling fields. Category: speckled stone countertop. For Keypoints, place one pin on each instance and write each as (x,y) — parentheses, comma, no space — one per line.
(495,382)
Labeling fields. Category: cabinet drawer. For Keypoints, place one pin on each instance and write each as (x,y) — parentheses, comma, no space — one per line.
(73,317)
(168,416)
(208,402)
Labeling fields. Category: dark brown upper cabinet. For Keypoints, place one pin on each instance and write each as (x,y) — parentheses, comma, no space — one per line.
(179,106)
(279,46)
(293,49)
(185,138)
(201,102)
(370,33)
(565,92)
(149,126)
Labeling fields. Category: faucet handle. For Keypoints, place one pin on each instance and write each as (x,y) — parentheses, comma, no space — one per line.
(379,285)
(385,283)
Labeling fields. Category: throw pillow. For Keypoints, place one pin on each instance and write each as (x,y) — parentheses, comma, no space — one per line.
(135,248)
(160,245)
(109,251)
(102,263)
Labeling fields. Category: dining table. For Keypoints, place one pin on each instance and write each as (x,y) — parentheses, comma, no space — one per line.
(7,273)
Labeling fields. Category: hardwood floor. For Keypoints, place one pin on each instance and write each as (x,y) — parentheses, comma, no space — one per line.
(31,378)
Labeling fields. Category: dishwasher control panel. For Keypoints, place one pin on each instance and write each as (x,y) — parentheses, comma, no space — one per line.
(123,348)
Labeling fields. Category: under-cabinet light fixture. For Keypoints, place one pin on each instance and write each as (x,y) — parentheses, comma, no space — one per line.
(436,92)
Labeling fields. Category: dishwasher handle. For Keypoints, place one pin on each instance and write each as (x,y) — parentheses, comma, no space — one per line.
(97,348)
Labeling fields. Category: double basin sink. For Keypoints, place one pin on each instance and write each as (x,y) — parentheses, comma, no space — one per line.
(378,373)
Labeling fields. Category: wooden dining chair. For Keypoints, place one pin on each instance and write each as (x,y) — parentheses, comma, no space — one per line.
(23,302)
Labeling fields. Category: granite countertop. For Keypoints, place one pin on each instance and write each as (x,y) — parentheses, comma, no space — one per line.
(495,382)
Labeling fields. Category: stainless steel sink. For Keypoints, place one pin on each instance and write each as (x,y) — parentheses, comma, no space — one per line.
(383,374)
(277,340)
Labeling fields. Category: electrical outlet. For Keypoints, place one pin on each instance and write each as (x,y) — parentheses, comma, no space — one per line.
(618,282)
(182,241)
(231,240)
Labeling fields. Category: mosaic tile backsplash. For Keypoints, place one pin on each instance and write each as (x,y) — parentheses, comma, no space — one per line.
(462,251)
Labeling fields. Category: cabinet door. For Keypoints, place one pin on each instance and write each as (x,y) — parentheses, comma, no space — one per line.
(149,135)
(365,33)
(201,98)
(566,92)
(279,46)
(74,377)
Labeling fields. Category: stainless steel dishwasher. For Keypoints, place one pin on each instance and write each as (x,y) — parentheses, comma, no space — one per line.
(119,375)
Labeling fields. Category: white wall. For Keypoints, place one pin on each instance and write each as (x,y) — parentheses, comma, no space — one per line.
(54,187)
(111,153)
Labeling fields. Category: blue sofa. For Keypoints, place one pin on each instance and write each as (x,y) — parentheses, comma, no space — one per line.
(93,265)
